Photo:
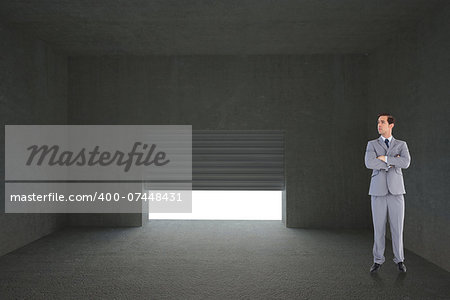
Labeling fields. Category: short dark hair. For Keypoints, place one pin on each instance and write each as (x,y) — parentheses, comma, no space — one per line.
(390,119)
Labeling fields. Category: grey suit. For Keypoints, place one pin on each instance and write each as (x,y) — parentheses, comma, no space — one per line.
(387,189)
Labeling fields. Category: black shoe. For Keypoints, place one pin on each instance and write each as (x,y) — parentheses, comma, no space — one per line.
(401,267)
(375,267)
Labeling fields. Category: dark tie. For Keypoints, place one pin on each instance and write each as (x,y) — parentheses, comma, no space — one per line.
(387,142)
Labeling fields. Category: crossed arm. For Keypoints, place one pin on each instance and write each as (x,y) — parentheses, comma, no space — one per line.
(373,162)
(401,160)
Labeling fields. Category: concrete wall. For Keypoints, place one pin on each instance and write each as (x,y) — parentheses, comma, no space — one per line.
(33,90)
(320,100)
(409,77)
(326,103)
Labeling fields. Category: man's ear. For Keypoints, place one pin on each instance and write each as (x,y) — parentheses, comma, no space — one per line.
(392,125)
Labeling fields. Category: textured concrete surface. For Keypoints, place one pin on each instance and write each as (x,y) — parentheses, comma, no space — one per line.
(409,77)
(106,220)
(214,27)
(33,90)
(212,260)
(319,101)
(326,96)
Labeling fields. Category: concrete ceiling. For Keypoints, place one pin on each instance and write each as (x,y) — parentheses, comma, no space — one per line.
(189,27)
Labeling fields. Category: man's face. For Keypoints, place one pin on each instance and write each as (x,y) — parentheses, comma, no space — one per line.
(384,128)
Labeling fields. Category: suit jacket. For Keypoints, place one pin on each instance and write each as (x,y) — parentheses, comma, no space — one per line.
(384,178)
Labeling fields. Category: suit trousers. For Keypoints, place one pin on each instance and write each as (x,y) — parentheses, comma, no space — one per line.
(394,207)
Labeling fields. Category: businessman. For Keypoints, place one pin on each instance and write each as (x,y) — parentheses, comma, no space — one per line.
(387,156)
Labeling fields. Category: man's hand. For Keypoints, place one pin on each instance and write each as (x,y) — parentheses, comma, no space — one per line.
(382,157)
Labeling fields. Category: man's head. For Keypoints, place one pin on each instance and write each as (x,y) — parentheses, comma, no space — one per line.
(385,124)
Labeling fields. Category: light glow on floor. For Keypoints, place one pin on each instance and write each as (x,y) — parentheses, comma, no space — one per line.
(229,205)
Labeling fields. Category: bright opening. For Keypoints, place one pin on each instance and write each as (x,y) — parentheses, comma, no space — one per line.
(230,205)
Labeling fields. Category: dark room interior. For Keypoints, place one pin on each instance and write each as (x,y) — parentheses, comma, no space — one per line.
(319,72)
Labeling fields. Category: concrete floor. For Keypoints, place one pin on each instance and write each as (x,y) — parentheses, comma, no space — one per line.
(212,260)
